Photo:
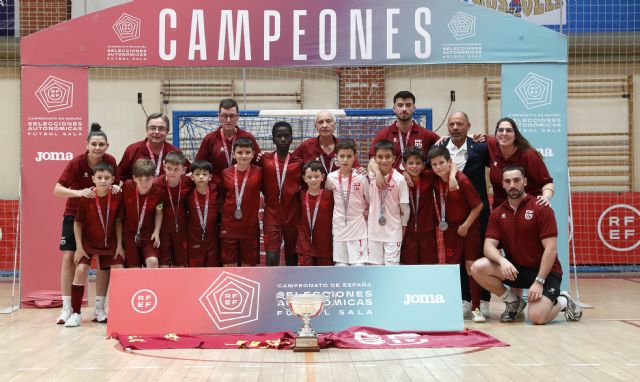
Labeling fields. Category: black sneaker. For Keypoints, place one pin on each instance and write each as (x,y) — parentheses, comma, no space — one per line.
(573,311)
(512,309)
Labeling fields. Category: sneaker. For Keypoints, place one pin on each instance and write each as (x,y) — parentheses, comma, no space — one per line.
(513,310)
(466,309)
(478,316)
(65,313)
(99,315)
(73,321)
(484,308)
(573,311)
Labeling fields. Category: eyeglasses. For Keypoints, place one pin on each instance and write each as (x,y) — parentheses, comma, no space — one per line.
(156,129)
(228,116)
(506,130)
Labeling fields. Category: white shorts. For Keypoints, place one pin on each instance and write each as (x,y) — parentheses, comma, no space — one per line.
(350,252)
(387,253)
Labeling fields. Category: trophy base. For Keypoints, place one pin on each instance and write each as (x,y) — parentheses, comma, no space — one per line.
(306,344)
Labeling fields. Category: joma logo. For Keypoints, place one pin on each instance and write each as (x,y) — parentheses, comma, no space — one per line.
(47,155)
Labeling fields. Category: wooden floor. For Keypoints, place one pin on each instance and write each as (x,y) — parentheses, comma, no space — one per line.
(604,346)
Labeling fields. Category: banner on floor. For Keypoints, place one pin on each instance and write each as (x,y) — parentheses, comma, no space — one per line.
(254,300)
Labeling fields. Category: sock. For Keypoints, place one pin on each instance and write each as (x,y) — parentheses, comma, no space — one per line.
(508,297)
(475,293)
(273,259)
(563,302)
(291,259)
(66,302)
(100,300)
(341,264)
(77,291)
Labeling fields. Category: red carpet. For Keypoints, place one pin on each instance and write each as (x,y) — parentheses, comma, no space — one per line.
(357,337)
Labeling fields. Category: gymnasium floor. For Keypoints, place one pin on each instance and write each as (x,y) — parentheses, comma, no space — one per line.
(604,346)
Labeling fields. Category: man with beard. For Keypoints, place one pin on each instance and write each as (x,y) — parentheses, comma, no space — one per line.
(404,132)
(529,235)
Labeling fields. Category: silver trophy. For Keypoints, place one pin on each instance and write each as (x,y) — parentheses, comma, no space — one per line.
(306,306)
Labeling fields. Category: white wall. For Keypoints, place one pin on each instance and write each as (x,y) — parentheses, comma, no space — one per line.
(9,134)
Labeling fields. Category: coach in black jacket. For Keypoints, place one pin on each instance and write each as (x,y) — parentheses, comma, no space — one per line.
(472,159)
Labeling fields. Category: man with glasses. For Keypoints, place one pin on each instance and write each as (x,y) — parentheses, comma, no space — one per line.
(154,147)
(216,147)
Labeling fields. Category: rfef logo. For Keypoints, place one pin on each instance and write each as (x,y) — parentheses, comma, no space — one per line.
(618,227)
(127,27)
(535,91)
(55,94)
(231,300)
(144,301)
(53,156)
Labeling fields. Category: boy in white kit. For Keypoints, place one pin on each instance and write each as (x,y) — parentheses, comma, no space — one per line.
(388,209)
(351,197)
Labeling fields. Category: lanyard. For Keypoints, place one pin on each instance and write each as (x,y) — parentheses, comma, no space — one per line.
(153,159)
(312,221)
(240,193)
(104,222)
(284,173)
(141,216)
(324,165)
(383,196)
(415,203)
(345,200)
(202,218)
(443,199)
(175,210)
(227,154)
(402,140)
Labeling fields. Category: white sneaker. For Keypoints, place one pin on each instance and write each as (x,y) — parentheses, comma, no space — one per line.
(99,315)
(466,309)
(65,313)
(485,309)
(477,316)
(73,321)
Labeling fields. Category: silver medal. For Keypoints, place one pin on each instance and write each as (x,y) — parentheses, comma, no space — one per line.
(443,225)
(382,220)
(238,214)
(137,239)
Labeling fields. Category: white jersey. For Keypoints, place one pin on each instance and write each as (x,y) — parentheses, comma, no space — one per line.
(354,226)
(397,193)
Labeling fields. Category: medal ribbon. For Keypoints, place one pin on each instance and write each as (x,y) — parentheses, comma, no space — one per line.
(141,213)
(284,173)
(240,193)
(345,200)
(175,213)
(104,222)
(153,159)
(312,221)
(443,196)
(202,218)
(415,203)
(384,192)
(402,140)
(324,165)
(227,154)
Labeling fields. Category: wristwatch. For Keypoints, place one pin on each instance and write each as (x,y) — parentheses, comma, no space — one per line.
(540,280)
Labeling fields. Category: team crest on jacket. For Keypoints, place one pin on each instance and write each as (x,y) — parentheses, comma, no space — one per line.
(528,214)
(418,143)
